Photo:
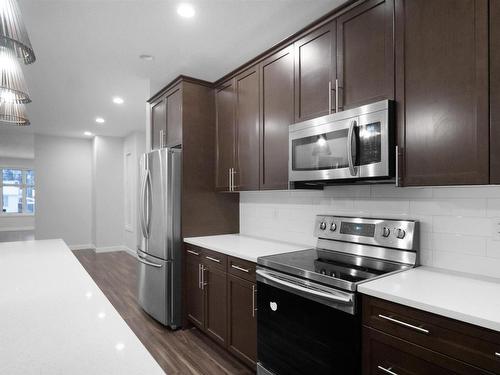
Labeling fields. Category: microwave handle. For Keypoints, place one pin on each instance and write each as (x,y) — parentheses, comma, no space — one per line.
(350,158)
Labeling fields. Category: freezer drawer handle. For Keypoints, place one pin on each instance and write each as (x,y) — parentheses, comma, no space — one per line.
(387,370)
(213,259)
(140,259)
(240,268)
(403,324)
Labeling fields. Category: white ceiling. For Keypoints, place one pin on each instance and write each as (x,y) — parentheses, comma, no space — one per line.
(87,52)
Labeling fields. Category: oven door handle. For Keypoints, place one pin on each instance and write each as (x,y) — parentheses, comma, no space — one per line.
(333,295)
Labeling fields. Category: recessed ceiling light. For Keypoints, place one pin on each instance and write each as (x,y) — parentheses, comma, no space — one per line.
(88,134)
(147,57)
(100,120)
(185,10)
(117,100)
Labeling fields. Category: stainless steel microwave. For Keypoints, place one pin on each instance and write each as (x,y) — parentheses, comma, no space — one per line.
(350,145)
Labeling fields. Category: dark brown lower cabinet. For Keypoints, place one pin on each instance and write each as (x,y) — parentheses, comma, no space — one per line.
(195,297)
(242,328)
(402,340)
(388,355)
(216,300)
(220,298)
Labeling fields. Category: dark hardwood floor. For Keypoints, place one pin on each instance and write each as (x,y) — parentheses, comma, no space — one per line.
(177,352)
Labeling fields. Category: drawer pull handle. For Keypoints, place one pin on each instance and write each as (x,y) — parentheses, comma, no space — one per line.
(497,354)
(387,370)
(193,252)
(213,259)
(240,268)
(399,322)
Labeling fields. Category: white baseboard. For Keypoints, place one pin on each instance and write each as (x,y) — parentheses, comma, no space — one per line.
(82,247)
(130,251)
(109,249)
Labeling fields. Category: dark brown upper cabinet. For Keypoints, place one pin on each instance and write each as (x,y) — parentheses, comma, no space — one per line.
(442,92)
(158,123)
(365,54)
(247,172)
(173,100)
(315,70)
(225,134)
(495,92)
(276,75)
(166,119)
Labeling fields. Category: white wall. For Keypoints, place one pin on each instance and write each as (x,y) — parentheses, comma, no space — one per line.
(63,183)
(108,198)
(133,147)
(459,225)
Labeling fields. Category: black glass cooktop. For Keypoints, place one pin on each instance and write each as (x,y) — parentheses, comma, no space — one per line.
(329,267)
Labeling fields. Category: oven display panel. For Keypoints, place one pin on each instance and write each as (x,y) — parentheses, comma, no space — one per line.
(357,229)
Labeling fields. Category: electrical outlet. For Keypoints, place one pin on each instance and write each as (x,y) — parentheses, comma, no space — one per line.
(495,228)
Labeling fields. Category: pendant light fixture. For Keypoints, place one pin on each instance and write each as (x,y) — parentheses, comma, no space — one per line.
(13,87)
(13,114)
(15,45)
(13,33)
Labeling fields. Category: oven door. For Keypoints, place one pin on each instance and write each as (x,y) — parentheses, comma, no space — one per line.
(305,328)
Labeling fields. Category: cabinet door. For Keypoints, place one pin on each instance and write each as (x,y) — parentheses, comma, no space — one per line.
(158,123)
(442,91)
(276,74)
(365,54)
(194,293)
(248,129)
(225,134)
(174,117)
(385,354)
(242,335)
(495,92)
(315,72)
(216,303)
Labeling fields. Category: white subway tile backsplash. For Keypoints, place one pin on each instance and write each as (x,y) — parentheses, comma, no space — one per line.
(458,225)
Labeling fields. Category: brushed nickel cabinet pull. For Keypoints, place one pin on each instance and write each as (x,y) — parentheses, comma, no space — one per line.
(403,324)
(193,252)
(329,97)
(203,283)
(213,259)
(240,268)
(497,354)
(387,370)
(199,276)
(253,301)
(336,95)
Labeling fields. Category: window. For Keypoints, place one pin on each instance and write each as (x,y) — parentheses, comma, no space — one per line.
(18,191)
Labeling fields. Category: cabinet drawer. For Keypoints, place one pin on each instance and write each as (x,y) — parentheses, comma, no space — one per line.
(214,259)
(194,253)
(241,268)
(386,355)
(468,343)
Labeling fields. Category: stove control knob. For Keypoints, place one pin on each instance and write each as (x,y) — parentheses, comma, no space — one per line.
(322,225)
(333,227)
(386,232)
(400,233)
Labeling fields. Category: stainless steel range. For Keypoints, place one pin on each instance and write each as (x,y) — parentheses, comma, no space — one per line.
(309,310)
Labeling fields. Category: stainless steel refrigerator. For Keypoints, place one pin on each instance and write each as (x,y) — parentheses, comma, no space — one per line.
(159,250)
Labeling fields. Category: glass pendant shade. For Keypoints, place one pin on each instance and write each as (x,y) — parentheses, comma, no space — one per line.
(13,33)
(13,114)
(13,87)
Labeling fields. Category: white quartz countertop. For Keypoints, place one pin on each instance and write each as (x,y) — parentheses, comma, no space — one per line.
(244,247)
(55,320)
(463,297)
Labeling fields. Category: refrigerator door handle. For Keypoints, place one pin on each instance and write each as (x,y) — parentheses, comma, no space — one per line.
(142,216)
(147,205)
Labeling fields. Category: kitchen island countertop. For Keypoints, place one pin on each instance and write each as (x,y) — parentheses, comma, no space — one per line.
(56,320)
